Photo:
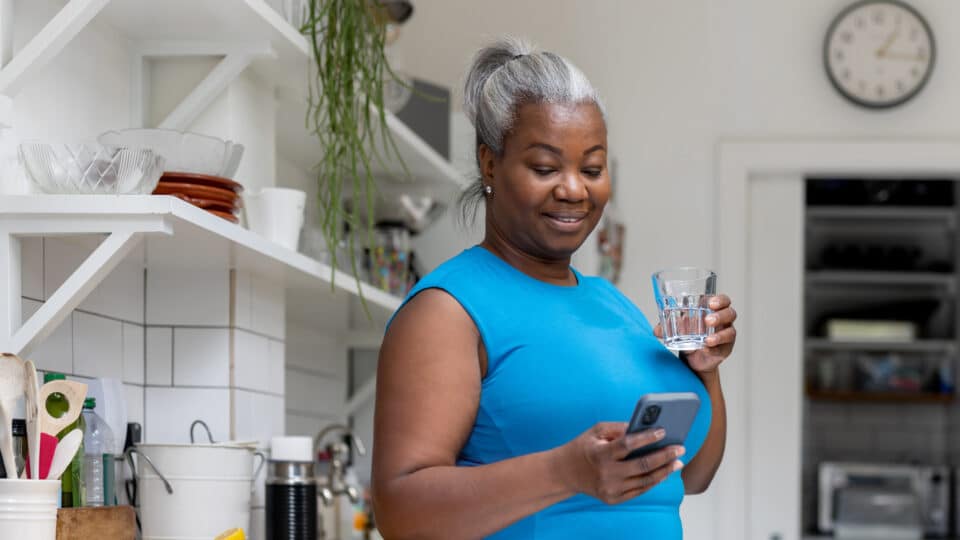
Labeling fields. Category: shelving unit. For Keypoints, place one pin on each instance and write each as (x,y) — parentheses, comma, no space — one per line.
(850,268)
(884,397)
(246,33)
(179,235)
(923,345)
(884,263)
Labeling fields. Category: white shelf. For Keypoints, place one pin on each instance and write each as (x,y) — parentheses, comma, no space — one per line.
(868,277)
(198,22)
(898,213)
(925,345)
(429,171)
(201,240)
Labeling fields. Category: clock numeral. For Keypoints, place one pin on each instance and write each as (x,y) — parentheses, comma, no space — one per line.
(862,84)
(846,74)
(859,22)
(878,17)
(838,54)
(915,71)
(914,33)
(880,91)
(847,36)
(921,53)
(901,86)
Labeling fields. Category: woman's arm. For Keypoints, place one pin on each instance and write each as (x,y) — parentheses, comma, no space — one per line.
(428,391)
(699,472)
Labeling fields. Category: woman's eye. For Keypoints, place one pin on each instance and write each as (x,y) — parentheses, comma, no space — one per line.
(593,173)
(543,171)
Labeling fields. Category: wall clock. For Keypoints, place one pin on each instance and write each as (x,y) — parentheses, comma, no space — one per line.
(879,53)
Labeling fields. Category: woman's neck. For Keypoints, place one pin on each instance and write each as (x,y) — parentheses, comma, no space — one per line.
(553,271)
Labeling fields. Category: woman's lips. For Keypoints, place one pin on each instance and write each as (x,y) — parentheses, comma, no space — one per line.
(566,221)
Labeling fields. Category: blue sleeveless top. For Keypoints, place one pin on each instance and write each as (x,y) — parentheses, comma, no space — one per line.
(559,360)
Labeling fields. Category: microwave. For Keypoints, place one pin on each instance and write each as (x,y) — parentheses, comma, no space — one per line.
(922,493)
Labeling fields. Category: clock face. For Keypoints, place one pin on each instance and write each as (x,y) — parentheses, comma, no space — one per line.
(879,53)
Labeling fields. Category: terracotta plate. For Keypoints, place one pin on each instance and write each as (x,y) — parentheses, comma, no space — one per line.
(225,215)
(208,204)
(197,192)
(203,179)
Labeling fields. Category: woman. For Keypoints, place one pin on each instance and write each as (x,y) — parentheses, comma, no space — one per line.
(506,377)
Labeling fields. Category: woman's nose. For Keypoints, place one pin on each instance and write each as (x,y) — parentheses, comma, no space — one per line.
(571,188)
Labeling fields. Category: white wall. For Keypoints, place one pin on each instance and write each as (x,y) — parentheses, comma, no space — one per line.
(676,78)
(679,78)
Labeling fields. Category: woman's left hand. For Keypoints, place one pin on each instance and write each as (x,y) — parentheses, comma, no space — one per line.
(719,345)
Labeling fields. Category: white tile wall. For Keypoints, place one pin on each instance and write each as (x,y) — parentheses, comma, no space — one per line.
(188,297)
(31,267)
(268,315)
(243,300)
(170,411)
(311,351)
(276,367)
(97,346)
(251,356)
(133,353)
(201,357)
(259,416)
(134,395)
(311,394)
(119,295)
(159,369)
(300,424)
(56,352)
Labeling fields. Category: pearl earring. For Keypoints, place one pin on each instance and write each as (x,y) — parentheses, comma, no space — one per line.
(488,190)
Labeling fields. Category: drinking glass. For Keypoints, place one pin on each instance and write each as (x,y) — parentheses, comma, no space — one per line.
(683,296)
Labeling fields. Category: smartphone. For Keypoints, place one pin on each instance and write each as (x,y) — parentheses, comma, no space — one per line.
(674,412)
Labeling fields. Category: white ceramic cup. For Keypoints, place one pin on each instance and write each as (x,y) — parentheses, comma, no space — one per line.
(276,214)
(28,509)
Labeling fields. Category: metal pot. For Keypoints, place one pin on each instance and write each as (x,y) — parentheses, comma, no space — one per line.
(193,491)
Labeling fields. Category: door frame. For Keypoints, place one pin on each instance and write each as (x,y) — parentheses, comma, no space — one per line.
(737,163)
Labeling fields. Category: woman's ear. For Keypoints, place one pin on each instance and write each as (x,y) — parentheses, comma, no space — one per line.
(487,160)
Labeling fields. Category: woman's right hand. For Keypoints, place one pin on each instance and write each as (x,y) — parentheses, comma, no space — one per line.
(593,462)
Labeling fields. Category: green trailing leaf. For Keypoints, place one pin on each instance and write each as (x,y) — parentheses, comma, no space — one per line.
(345,111)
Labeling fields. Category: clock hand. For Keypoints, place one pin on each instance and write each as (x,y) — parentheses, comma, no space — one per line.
(889,41)
(904,56)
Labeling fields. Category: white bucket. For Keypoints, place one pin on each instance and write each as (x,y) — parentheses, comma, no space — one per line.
(276,214)
(211,487)
(28,509)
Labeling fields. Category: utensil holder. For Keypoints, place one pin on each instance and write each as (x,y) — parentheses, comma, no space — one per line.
(28,509)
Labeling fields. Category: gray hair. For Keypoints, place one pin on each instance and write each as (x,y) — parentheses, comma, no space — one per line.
(503,76)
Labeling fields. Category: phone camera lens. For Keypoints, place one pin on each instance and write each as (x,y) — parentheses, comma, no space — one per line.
(651,414)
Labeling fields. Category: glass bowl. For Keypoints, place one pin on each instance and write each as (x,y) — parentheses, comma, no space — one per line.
(91,169)
(184,151)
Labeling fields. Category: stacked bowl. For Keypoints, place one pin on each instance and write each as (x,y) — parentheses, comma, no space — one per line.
(199,168)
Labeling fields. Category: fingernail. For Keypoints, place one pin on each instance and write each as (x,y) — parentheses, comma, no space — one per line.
(680,451)
(711,319)
(677,465)
(660,433)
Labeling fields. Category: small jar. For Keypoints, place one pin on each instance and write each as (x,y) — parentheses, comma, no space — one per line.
(390,258)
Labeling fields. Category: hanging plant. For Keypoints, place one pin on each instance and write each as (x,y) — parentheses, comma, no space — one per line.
(345,111)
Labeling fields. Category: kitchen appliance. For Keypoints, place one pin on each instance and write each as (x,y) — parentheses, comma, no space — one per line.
(862,496)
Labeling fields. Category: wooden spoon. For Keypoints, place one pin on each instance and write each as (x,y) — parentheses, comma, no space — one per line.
(66,449)
(11,388)
(74,393)
(31,390)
